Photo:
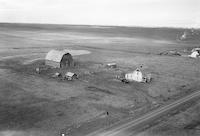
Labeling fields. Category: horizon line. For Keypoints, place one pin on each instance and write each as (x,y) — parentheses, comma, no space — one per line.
(34,23)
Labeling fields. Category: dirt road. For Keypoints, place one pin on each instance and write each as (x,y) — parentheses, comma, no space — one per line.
(128,128)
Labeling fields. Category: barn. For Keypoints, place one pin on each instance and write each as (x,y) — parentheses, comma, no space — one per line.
(59,59)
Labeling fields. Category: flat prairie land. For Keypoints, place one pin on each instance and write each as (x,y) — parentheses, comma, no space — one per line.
(39,105)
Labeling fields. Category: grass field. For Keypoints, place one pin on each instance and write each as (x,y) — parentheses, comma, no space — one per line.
(39,105)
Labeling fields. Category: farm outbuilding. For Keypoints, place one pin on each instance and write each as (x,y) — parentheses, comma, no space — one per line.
(59,59)
(111,65)
(71,76)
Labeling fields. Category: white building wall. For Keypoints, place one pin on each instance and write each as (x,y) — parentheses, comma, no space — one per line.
(135,76)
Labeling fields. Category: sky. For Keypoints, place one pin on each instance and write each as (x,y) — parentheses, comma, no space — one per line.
(149,13)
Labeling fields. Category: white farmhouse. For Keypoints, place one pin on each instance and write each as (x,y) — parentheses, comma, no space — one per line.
(135,76)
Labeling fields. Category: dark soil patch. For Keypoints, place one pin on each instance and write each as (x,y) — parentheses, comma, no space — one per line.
(170,53)
(192,125)
(96,89)
(20,117)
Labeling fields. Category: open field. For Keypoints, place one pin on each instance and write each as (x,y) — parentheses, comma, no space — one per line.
(38,105)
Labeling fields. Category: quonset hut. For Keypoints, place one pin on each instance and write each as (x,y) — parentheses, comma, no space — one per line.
(59,59)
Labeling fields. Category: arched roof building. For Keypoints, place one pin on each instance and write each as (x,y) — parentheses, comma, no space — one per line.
(59,59)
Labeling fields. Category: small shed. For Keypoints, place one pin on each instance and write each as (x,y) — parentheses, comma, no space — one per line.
(111,65)
(59,59)
(135,76)
(71,76)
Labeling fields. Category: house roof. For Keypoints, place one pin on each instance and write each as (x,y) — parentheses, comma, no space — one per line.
(195,49)
(55,55)
(134,72)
